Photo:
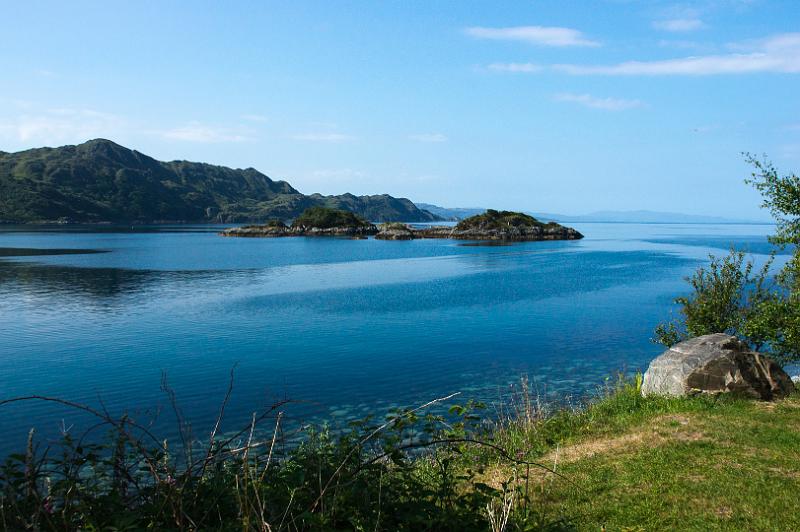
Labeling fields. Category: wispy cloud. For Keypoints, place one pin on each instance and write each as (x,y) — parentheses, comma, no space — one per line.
(593,102)
(429,137)
(539,35)
(323,137)
(526,68)
(778,53)
(197,132)
(679,25)
(60,125)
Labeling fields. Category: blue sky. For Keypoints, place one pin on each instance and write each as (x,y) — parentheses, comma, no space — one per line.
(562,106)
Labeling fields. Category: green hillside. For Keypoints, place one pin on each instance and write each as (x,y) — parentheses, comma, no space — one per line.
(101,181)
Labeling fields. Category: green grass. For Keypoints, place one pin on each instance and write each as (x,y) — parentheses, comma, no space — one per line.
(622,462)
(634,463)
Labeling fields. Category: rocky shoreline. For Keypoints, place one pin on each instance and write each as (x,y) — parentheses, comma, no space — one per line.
(551,231)
(492,225)
(267,231)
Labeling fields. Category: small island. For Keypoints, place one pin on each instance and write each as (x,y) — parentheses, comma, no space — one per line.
(315,221)
(492,225)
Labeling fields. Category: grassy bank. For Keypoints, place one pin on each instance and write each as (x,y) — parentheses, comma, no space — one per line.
(623,462)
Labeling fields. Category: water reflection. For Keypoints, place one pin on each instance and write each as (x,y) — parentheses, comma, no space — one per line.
(356,326)
(60,283)
(36,252)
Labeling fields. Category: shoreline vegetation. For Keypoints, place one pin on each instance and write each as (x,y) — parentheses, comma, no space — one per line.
(491,225)
(622,461)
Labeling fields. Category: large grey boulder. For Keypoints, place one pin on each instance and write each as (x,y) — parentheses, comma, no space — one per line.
(715,363)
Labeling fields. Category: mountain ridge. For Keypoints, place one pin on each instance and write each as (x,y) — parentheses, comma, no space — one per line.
(633,216)
(102,181)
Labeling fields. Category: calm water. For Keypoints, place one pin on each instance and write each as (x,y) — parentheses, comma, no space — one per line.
(349,327)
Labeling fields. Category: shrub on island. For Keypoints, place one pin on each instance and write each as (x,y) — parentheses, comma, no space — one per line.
(497,220)
(325,218)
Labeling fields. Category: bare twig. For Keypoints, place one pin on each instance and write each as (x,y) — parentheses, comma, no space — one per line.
(369,437)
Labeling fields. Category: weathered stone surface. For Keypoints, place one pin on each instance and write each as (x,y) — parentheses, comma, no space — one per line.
(715,363)
(256,231)
(395,231)
(277,231)
(511,234)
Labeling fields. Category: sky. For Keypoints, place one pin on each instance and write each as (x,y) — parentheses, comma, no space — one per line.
(552,106)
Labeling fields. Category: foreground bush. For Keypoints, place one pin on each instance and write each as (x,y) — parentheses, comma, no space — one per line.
(760,307)
(527,468)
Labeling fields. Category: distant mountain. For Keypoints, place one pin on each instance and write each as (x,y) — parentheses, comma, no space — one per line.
(599,216)
(643,217)
(451,214)
(100,181)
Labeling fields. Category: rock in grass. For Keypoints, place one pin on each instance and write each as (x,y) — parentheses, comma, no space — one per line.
(716,363)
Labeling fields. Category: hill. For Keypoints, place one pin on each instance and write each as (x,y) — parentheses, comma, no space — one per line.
(101,181)
(641,216)
(451,214)
(647,217)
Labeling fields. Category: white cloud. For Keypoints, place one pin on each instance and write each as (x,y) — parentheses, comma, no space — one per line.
(323,137)
(33,125)
(429,137)
(197,132)
(540,35)
(526,68)
(679,24)
(63,125)
(778,53)
(587,100)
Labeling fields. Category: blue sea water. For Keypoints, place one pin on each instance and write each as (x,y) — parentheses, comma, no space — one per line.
(344,327)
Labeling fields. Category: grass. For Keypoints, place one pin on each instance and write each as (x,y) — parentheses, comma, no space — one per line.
(634,463)
(622,462)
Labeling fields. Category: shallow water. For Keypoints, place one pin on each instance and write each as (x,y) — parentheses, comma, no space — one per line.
(349,327)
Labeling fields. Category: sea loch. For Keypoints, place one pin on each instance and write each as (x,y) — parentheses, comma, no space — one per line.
(346,327)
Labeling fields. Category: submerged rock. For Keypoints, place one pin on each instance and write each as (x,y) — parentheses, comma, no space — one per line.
(716,363)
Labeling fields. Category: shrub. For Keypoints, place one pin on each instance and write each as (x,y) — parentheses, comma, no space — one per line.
(325,218)
(493,219)
(727,296)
